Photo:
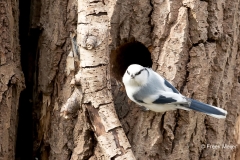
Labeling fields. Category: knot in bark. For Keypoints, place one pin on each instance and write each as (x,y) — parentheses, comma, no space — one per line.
(91,42)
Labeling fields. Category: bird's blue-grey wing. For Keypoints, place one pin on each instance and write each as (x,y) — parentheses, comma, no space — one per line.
(163,100)
(163,83)
(169,85)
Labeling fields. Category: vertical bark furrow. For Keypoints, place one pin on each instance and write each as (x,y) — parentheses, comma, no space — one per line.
(11,77)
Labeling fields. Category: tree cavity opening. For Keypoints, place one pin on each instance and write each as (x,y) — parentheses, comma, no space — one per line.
(131,52)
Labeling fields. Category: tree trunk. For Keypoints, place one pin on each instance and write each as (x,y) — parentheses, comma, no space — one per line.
(11,77)
(74,108)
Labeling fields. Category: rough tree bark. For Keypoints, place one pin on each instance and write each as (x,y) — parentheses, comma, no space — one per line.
(11,77)
(194,44)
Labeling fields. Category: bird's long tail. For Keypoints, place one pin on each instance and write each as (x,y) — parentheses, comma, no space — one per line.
(207,109)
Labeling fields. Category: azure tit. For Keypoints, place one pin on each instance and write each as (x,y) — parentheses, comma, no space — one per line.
(147,88)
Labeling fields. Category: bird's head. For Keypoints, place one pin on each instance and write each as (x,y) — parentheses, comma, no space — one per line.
(135,75)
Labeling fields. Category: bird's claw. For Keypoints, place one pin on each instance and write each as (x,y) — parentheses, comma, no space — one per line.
(144,108)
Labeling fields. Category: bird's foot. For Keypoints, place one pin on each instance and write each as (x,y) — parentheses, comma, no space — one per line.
(144,108)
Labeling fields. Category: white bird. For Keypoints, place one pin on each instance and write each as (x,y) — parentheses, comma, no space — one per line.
(147,88)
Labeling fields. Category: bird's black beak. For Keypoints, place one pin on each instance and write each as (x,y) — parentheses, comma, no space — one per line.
(132,76)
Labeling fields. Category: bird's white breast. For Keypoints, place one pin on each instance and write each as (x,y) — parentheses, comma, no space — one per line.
(131,90)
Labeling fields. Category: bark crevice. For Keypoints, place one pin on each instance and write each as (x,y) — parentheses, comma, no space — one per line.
(29,43)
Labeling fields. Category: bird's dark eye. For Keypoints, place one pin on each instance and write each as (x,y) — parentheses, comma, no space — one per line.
(138,73)
(128,72)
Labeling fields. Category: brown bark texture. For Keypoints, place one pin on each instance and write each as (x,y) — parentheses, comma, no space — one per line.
(81,111)
(11,77)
